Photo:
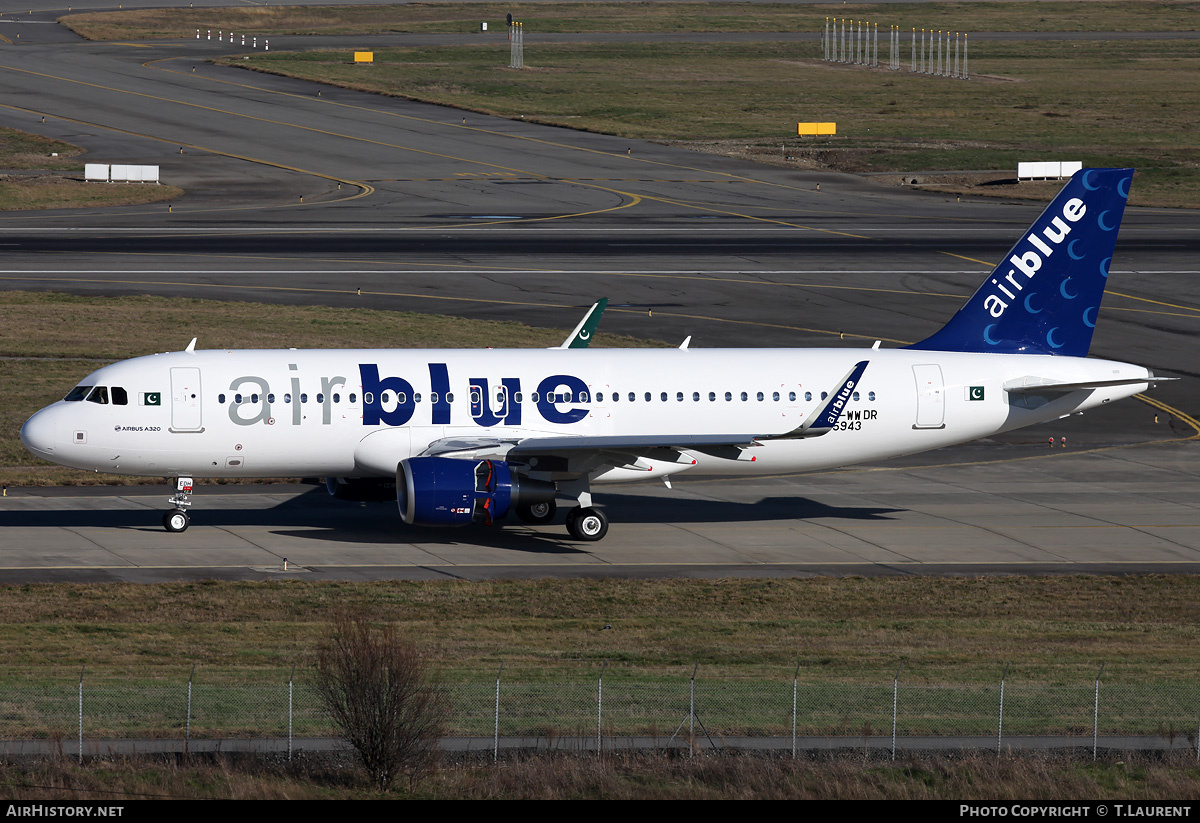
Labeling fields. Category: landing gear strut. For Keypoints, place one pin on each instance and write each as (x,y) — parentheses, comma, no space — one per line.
(177,519)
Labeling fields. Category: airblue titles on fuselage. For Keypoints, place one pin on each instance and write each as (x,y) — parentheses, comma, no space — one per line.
(555,398)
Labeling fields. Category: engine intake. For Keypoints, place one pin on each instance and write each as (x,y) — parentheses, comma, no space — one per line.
(448,491)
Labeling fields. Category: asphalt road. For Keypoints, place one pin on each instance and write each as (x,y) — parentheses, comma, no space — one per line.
(298,198)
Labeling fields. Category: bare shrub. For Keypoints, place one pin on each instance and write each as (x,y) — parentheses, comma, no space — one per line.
(378,689)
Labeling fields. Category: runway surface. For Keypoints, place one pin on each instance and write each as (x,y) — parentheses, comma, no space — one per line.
(503,219)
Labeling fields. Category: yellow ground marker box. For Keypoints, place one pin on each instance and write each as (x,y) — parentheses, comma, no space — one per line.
(811,129)
(364,57)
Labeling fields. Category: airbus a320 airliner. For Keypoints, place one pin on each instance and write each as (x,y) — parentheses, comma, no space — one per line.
(467,437)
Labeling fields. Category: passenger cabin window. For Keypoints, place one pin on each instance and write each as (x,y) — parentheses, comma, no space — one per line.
(98,395)
(77,393)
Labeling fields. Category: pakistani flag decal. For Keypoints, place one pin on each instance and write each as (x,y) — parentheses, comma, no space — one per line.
(975,393)
(152,398)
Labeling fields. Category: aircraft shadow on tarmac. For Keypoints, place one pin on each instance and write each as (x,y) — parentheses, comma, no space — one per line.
(323,518)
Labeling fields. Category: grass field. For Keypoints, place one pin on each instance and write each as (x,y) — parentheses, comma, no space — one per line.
(58,189)
(1054,631)
(1094,15)
(1103,103)
(45,350)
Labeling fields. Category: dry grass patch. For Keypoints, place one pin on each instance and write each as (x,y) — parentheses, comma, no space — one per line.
(632,776)
(21,150)
(56,192)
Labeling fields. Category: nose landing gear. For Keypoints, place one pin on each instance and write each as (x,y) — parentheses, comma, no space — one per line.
(177,519)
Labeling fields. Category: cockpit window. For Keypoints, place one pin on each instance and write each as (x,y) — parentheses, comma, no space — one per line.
(77,393)
(119,396)
(98,395)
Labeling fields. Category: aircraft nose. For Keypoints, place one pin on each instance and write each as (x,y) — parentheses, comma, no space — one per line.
(38,433)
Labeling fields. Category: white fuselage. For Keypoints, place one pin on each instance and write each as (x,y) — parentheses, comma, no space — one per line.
(357,413)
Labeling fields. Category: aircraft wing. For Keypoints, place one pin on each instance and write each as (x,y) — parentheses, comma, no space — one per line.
(624,448)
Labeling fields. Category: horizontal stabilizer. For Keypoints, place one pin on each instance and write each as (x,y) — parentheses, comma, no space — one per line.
(1029,385)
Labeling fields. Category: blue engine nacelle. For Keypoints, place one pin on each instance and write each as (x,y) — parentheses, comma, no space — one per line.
(448,491)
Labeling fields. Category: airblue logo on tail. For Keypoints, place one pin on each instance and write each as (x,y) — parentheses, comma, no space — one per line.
(1045,295)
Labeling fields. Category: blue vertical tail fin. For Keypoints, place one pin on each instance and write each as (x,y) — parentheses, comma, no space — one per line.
(1044,296)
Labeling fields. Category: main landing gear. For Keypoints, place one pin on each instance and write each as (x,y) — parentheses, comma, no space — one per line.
(587,524)
(583,522)
(177,520)
(537,514)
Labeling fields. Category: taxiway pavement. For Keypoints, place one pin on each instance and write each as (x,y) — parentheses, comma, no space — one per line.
(407,206)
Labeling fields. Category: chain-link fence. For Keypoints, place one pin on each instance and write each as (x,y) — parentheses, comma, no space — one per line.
(624,709)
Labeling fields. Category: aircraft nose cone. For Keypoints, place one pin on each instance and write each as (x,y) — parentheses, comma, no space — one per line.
(38,434)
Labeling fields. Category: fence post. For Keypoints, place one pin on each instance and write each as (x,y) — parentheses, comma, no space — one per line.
(795,678)
(1000,724)
(1096,712)
(496,733)
(81,668)
(895,704)
(187,727)
(291,707)
(600,706)
(692,713)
